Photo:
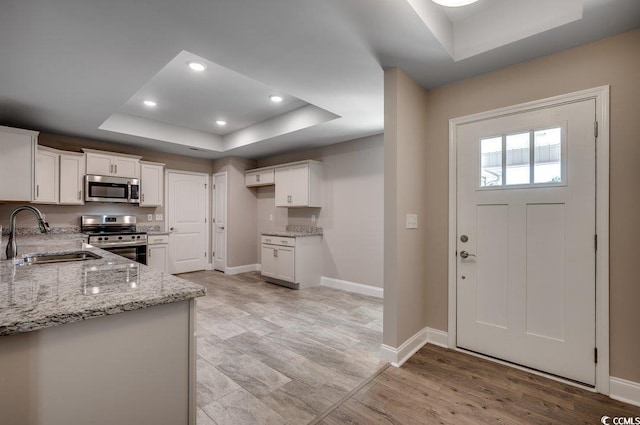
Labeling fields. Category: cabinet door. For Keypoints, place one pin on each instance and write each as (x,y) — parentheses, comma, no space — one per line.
(151,185)
(47,175)
(299,185)
(17,159)
(99,164)
(269,265)
(286,264)
(71,179)
(126,167)
(283,187)
(157,257)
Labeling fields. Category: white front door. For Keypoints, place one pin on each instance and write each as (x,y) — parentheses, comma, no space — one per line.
(187,220)
(220,232)
(525,239)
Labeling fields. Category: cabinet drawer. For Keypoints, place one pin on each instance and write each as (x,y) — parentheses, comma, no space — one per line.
(157,239)
(259,178)
(279,240)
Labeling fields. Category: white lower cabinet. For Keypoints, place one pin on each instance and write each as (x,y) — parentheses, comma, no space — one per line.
(158,252)
(292,262)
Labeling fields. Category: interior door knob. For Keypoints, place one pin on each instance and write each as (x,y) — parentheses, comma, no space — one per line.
(465,254)
(171,228)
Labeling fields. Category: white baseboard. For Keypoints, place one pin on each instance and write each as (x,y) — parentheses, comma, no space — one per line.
(438,337)
(625,391)
(397,356)
(357,288)
(242,269)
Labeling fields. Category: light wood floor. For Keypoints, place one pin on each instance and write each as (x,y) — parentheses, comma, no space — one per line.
(271,355)
(440,386)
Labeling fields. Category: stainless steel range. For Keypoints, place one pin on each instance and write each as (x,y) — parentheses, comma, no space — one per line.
(117,234)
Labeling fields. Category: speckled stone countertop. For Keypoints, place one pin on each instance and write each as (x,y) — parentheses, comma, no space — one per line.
(39,296)
(295,232)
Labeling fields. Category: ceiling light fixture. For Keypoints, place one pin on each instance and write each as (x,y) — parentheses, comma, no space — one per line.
(221,123)
(196,66)
(454,3)
(275,98)
(150,103)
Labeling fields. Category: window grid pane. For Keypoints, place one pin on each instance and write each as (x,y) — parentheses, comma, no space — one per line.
(518,159)
(547,166)
(527,158)
(491,162)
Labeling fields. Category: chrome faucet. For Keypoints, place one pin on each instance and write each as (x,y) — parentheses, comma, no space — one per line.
(12,248)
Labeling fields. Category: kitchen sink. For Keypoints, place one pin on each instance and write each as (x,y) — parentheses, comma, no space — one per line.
(62,257)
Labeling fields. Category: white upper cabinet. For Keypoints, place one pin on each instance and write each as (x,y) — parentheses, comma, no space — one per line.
(259,178)
(151,184)
(47,176)
(111,164)
(72,166)
(299,185)
(17,159)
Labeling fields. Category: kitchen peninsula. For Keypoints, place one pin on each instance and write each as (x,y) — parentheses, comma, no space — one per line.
(133,362)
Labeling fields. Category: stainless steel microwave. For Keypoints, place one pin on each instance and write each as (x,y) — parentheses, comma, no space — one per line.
(111,189)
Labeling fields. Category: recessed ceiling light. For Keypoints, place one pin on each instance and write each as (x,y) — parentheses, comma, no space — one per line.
(196,66)
(150,103)
(275,98)
(454,3)
(221,123)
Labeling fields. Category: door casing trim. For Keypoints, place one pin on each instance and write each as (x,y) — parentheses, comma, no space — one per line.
(213,215)
(601,96)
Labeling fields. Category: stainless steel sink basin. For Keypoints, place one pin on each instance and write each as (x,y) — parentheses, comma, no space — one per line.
(62,257)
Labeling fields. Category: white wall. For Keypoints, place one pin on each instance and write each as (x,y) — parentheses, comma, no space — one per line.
(352,212)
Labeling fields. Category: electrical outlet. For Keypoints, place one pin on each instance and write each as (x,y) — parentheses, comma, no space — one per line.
(149,217)
(412,221)
(159,217)
(313,218)
(270,217)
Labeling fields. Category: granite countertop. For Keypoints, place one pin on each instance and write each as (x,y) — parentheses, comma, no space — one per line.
(290,234)
(295,232)
(39,296)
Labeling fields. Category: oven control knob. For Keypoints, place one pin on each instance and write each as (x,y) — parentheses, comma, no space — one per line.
(119,237)
(106,238)
(138,237)
(133,237)
(99,239)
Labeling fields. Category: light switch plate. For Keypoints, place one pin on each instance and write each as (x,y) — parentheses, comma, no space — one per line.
(149,217)
(159,217)
(412,221)
(313,218)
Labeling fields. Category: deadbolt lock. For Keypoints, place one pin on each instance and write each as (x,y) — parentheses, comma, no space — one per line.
(464,238)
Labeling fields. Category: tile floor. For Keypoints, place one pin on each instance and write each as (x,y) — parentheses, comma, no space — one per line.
(272,355)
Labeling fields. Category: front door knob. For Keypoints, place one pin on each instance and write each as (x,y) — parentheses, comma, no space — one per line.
(465,254)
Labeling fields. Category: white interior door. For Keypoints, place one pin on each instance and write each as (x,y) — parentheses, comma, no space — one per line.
(525,242)
(220,232)
(187,220)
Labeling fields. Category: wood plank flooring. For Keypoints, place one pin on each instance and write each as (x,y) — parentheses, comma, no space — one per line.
(271,355)
(440,386)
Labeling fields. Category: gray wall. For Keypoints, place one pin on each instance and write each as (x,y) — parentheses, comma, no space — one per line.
(405,175)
